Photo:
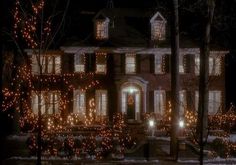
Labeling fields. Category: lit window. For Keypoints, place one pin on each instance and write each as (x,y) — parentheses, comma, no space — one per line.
(197,65)
(51,64)
(183,102)
(79,102)
(181,64)
(102,29)
(159,102)
(101,103)
(130,63)
(79,63)
(159,64)
(196,100)
(214,102)
(101,66)
(49,102)
(158,30)
(214,66)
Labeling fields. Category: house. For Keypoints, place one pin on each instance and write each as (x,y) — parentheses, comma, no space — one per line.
(127,54)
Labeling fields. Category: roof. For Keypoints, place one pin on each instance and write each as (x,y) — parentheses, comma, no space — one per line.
(128,27)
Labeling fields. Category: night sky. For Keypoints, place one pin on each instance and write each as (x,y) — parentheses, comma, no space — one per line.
(191,20)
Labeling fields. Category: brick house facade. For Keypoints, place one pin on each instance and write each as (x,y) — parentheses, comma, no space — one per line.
(129,54)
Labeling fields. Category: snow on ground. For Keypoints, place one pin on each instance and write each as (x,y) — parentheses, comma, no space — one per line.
(214,160)
(231,138)
(21,137)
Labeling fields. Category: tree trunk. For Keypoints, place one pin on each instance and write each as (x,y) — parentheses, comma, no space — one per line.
(174,79)
(203,82)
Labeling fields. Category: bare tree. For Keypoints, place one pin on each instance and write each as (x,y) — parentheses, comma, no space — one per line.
(174,78)
(202,123)
(32,26)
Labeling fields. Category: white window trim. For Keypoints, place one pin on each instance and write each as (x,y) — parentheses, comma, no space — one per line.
(130,68)
(101,109)
(50,102)
(101,68)
(103,32)
(81,109)
(159,102)
(158,33)
(47,62)
(214,104)
(158,64)
(79,67)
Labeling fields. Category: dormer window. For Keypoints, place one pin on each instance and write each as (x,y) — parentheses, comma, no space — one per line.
(158,27)
(101,29)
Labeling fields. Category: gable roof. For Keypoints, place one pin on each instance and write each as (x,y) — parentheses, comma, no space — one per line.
(158,16)
(127,28)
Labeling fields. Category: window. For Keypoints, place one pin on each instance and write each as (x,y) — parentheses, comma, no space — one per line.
(159,101)
(101,103)
(214,66)
(101,64)
(79,63)
(159,64)
(130,63)
(158,30)
(196,100)
(49,102)
(181,64)
(79,102)
(183,102)
(102,29)
(51,64)
(214,102)
(197,65)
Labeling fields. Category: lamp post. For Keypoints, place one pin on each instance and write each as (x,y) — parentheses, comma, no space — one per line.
(151,124)
(181,144)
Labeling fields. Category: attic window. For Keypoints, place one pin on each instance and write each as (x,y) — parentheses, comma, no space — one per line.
(158,27)
(101,29)
(158,30)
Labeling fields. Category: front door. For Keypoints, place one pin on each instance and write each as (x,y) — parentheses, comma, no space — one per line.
(131,102)
(130,106)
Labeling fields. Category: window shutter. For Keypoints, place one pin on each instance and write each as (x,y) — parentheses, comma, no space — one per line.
(152,63)
(186,63)
(166,63)
(168,98)
(90,61)
(122,63)
(151,101)
(138,62)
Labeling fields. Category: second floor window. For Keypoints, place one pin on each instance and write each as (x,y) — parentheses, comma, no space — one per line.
(159,64)
(49,101)
(50,64)
(79,63)
(101,63)
(130,63)
(214,66)
(101,29)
